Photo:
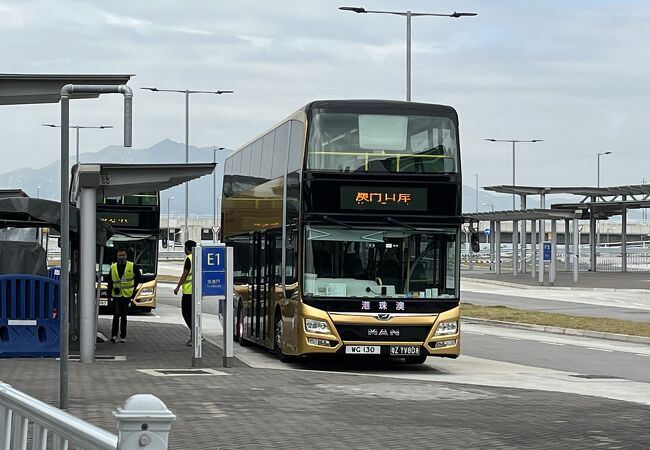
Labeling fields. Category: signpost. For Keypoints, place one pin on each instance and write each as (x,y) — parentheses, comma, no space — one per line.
(212,281)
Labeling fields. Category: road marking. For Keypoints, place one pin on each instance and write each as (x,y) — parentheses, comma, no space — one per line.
(551,343)
(599,349)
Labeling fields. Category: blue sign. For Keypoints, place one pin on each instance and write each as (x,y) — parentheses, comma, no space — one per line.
(547,251)
(487,232)
(213,271)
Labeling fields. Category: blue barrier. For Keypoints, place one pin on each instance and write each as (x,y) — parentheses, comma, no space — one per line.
(54,273)
(29,316)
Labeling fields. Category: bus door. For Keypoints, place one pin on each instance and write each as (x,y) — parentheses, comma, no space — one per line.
(258,279)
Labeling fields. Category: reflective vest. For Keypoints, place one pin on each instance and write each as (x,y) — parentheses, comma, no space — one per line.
(187,286)
(124,284)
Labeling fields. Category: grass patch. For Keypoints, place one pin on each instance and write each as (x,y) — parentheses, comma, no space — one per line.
(506,314)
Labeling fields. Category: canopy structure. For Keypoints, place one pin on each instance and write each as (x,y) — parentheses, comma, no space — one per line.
(596,203)
(24,89)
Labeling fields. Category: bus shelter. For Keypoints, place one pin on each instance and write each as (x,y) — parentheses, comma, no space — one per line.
(595,204)
(112,180)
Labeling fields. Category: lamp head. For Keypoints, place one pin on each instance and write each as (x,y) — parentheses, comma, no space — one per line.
(356,9)
(150,89)
(456,15)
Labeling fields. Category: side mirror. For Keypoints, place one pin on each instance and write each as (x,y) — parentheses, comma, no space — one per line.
(164,242)
(476,247)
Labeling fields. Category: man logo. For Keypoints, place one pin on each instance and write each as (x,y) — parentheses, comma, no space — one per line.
(372,332)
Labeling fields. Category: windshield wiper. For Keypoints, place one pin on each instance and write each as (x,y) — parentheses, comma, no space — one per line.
(337,222)
(401,224)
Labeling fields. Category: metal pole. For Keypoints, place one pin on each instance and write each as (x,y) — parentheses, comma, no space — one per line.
(88,277)
(515,247)
(624,238)
(552,269)
(598,171)
(523,238)
(497,247)
(576,248)
(214,197)
(476,175)
(197,281)
(513,174)
(566,243)
(408,56)
(65,253)
(229,314)
(533,248)
(187,159)
(169,229)
(77,144)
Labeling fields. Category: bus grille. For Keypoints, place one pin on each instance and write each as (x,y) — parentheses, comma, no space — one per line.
(383,332)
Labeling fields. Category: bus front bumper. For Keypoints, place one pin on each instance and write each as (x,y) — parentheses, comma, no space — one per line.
(400,335)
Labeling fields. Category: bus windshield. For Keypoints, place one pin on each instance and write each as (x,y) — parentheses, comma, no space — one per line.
(398,263)
(349,142)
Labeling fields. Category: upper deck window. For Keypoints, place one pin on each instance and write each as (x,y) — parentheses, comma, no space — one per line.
(347,142)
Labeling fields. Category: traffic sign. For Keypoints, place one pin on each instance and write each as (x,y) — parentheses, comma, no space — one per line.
(487,232)
(213,271)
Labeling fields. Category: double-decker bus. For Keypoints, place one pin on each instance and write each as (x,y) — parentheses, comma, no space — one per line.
(345,222)
(135,219)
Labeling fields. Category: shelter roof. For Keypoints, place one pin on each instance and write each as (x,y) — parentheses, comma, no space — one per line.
(21,89)
(630,190)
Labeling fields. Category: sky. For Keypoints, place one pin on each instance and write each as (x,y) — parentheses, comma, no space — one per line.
(571,72)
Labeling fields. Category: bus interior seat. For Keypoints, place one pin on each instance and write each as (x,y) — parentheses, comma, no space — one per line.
(323,263)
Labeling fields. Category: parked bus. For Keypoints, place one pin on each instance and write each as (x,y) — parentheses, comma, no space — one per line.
(136,222)
(345,222)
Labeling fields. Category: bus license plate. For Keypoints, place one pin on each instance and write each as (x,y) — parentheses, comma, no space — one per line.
(362,350)
(103,303)
(404,350)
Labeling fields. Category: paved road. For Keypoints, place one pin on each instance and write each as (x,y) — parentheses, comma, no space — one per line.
(623,305)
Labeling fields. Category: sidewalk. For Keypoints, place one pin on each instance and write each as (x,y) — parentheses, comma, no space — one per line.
(629,281)
(317,407)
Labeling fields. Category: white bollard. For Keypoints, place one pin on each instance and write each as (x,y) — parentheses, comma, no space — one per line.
(143,422)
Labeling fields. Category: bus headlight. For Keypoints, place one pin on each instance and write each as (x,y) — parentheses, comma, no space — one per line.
(447,328)
(146,292)
(317,326)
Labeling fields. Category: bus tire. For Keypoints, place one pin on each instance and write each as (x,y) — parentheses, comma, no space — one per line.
(416,359)
(240,329)
(277,339)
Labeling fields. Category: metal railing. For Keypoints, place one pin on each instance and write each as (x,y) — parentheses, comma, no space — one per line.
(143,422)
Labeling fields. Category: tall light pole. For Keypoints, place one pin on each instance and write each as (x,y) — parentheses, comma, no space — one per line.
(598,167)
(169,228)
(187,93)
(490,205)
(78,127)
(514,142)
(214,195)
(408,15)
(476,176)
(38,191)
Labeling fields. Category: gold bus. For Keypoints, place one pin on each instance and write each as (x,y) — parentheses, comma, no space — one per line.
(345,223)
(135,220)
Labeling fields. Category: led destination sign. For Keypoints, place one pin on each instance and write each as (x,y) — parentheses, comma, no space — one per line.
(119,218)
(383,199)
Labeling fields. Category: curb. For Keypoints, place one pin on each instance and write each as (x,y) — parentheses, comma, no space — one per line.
(559,330)
(557,288)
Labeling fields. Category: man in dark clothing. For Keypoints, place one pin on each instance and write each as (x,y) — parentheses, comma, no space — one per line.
(123,280)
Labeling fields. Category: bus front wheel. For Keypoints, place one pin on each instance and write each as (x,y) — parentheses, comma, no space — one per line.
(277,347)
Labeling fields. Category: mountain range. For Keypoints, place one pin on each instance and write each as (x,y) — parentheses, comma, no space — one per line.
(44,182)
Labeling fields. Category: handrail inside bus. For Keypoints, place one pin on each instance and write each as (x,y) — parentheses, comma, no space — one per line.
(367,155)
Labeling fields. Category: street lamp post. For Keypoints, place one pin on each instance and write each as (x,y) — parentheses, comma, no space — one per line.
(214,195)
(598,167)
(78,127)
(476,177)
(169,228)
(38,191)
(513,141)
(408,15)
(187,93)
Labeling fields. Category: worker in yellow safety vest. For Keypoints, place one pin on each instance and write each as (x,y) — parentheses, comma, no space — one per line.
(186,283)
(122,284)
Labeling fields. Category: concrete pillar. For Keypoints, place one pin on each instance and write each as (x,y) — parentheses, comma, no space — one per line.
(533,248)
(497,247)
(566,245)
(87,277)
(491,238)
(515,247)
(624,238)
(576,247)
(524,240)
(553,268)
(592,237)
